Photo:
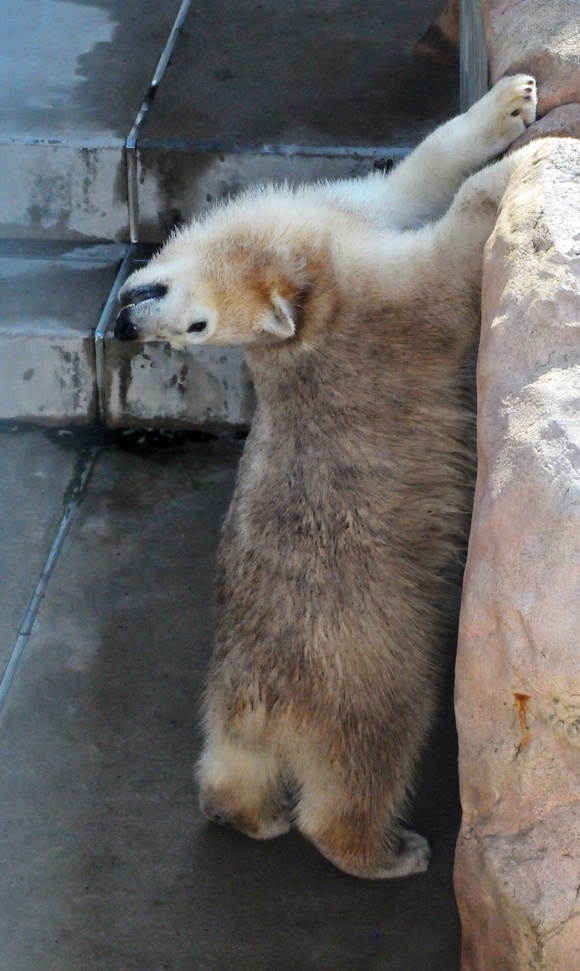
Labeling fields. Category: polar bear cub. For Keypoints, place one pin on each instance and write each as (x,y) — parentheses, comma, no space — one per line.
(357,305)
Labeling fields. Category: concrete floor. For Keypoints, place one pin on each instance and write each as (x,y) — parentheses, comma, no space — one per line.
(106,862)
(74,68)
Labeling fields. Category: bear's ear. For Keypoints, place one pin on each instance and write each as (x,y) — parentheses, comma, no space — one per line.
(280,320)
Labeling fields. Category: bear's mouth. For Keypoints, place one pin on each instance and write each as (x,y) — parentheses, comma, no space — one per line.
(130,298)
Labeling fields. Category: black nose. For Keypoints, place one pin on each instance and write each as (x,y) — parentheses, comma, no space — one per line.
(142,293)
(125,329)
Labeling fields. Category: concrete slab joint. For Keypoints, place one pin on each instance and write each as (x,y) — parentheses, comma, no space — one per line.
(518,668)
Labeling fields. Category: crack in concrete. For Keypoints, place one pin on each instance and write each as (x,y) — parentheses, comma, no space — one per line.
(44,579)
(574,913)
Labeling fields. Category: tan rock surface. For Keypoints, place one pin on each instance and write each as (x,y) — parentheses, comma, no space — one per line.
(564,120)
(540,37)
(518,667)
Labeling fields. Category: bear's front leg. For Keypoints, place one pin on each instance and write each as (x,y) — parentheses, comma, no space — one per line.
(426,182)
(501,116)
(451,251)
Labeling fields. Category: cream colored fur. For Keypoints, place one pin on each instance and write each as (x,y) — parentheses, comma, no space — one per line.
(357,304)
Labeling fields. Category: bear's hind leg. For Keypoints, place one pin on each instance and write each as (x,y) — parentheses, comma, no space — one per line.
(359,838)
(242,788)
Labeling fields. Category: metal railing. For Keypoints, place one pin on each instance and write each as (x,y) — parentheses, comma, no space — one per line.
(474,63)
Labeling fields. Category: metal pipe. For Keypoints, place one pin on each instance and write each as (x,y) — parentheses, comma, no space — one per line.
(473,63)
(131,142)
(101,328)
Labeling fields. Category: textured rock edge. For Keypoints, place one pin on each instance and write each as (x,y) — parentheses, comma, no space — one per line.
(518,688)
(542,39)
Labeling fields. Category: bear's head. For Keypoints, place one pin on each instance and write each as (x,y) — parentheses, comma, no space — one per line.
(239,277)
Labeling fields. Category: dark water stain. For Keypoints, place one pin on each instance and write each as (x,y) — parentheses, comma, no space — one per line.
(115,76)
(171,172)
(157,446)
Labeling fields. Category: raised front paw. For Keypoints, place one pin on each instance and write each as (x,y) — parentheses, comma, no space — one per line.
(510,107)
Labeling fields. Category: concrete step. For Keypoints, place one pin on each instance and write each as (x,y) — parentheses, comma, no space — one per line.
(60,364)
(73,78)
(53,295)
(252,92)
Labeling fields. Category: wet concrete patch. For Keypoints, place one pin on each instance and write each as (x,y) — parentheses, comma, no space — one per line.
(77,66)
(106,862)
(74,75)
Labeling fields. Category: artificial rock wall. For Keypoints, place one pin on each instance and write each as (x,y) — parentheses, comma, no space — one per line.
(517,870)
(518,668)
